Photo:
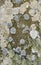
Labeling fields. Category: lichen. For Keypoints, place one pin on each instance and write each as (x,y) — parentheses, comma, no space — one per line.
(20,32)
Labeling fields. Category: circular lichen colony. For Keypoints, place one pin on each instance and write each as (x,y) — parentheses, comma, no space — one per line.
(20,32)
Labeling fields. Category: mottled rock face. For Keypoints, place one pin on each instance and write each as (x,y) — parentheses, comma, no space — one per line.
(20,32)
(2,2)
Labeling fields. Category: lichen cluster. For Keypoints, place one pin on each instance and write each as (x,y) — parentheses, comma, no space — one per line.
(20,32)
